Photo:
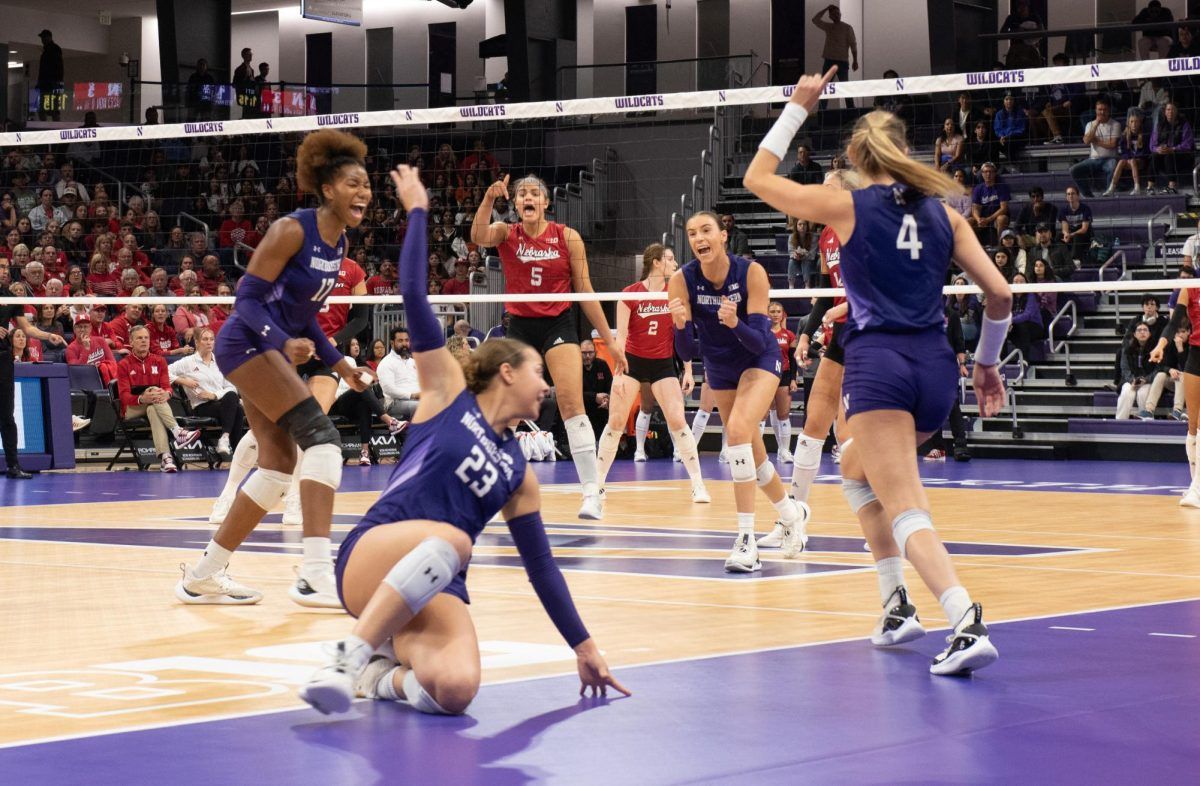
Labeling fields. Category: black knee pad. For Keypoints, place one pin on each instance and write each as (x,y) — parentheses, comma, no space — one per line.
(309,426)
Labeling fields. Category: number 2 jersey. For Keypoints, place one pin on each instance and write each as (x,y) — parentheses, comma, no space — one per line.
(454,468)
(651,332)
(539,264)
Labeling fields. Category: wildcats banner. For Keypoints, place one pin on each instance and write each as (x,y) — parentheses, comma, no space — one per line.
(341,12)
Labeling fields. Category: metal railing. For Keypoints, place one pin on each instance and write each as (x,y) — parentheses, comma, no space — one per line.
(123,189)
(240,246)
(585,203)
(1115,297)
(1069,309)
(706,185)
(1010,386)
(193,219)
(1196,179)
(1150,241)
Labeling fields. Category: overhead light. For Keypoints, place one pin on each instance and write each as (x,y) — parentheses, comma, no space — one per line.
(15,64)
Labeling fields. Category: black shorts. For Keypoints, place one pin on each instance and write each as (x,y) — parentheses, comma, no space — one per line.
(651,370)
(1192,364)
(545,333)
(834,351)
(787,375)
(313,367)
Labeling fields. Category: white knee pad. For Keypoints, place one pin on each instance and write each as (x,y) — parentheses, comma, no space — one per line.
(741,462)
(858,493)
(424,572)
(908,524)
(322,464)
(418,698)
(265,487)
(765,472)
(580,436)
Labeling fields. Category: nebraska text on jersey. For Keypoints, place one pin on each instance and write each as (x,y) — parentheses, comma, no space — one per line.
(532,254)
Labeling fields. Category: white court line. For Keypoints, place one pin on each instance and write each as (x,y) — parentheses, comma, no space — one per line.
(1175,635)
(1068,627)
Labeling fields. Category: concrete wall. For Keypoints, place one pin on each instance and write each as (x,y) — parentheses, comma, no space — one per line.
(891,34)
(124,35)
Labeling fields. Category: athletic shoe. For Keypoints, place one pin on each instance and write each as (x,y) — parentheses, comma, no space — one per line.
(773,539)
(722,458)
(331,687)
(962,454)
(364,457)
(1145,414)
(700,495)
(639,455)
(185,435)
(744,557)
(1177,414)
(1191,499)
(675,457)
(293,515)
(937,454)
(219,589)
(223,447)
(1109,191)
(592,508)
(899,623)
(78,423)
(1135,192)
(221,509)
(785,456)
(397,425)
(795,533)
(969,647)
(166,463)
(836,453)
(315,591)
(367,684)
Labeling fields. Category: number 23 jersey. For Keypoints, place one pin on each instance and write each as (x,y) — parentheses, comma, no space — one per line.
(454,468)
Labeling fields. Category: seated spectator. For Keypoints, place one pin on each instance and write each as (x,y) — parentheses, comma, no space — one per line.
(378,352)
(20,256)
(502,210)
(67,181)
(1036,211)
(1058,255)
(1149,317)
(460,284)
(969,311)
(130,247)
(45,212)
(208,392)
(54,262)
(805,171)
(463,328)
(34,276)
(1004,264)
(1168,375)
(361,409)
(597,386)
(144,389)
(1042,273)
(1133,155)
(1136,370)
(981,149)
(129,283)
(1016,254)
(1056,103)
(397,374)
(1172,145)
(122,325)
(482,162)
(159,285)
(436,270)
(218,313)
(163,338)
(1103,135)
(210,276)
(989,206)
(1027,325)
(384,282)
(24,349)
(739,241)
(501,330)
(236,227)
(152,233)
(86,350)
(948,148)
(1012,129)
(1076,226)
(189,318)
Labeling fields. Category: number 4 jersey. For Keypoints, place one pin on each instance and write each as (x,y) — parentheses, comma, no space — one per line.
(539,264)
(454,468)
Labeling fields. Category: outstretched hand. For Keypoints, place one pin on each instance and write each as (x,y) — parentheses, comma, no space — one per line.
(594,673)
(498,190)
(409,188)
(989,389)
(810,88)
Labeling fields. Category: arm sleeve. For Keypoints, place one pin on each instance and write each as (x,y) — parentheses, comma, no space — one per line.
(359,316)
(250,305)
(752,332)
(819,308)
(684,347)
(426,332)
(529,536)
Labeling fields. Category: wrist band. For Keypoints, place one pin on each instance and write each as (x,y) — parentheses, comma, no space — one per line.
(779,138)
(991,340)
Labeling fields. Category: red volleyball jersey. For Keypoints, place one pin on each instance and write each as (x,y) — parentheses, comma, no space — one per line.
(831,252)
(1193,312)
(651,332)
(333,316)
(539,264)
(786,340)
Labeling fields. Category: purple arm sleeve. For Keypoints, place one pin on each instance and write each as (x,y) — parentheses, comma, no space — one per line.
(424,328)
(326,351)
(683,342)
(529,536)
(752,332)
(250,305)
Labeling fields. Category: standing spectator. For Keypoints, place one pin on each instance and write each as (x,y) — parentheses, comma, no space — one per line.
(1156,41)
(50,78)
(981,149)
(482,162)
(1012,128)
(1183,88)
(87,350)
(144,388)
(839,39)
(385,281)
(1168,375)
(739,241)
(1103,134)
(948,148)
(397,373)
(1036,211)
(965,117)
(1133,154)
(1136,370)
(209,393)
(260,89)
(1172,144)
(597,386)
(1042,273)
(201,86)
(1076,225)
(243,84)
(989,206)
(801,257)
(805,171)
(1056,103)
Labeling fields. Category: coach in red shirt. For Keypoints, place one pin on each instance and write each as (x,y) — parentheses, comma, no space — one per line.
(144,388)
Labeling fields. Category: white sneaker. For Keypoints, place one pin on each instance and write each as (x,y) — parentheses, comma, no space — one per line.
(293,516)
(592,508)
(795,533)
(722,458)
(223,447)
(78,423)
(315,591)
(367,684)
(785,456)
(166,463)
(221,509)
(331,687)
(899,622)
(675,457)
(219,589)
(183,436)
(969,646)
(774,539)
(744,557)
(1109,191)
(639,455)
(836,453)
(1191,498)
(700,495)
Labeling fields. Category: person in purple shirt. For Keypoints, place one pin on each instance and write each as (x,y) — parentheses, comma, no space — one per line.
(1011,126)
(1075,224)
(989,206)
(1172,145)
(1026,319)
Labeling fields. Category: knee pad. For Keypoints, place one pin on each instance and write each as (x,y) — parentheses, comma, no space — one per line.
(265,487)
(309,426)
(418,698)
(322,464)
(580,436)
(424,572)
(858,493)
(741,462)
(908,524)
(765,472)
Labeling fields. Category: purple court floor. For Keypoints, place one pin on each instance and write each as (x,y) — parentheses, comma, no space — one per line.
(1101,697)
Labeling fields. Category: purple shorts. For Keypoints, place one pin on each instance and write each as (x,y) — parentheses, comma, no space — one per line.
(916,373)
(457,586)
(725,375)
(236,344)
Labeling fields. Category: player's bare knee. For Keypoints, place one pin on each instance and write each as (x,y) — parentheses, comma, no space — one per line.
(458,539)
(454,692)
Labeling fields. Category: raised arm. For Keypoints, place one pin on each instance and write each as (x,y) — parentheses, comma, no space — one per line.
(581,281)
(483,232)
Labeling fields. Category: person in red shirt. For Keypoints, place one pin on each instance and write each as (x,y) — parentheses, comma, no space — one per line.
(543,256)
(780,413)
(126,261)
(54,261)
(130,283)
(163,338)
(34,275)
(385,281)
(646,336)
(24,349)
(460,284)
(121,326)
(139,259)
(482,163)
(255,236)
(144,390)
(210,276)
(101,277)
(236,228)
(86,350)
(218,313)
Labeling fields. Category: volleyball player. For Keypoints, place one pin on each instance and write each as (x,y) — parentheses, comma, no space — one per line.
(900,374)
(1186,309)
(402,569)
(780,413)
(645,336)
(273,328)
(725,297)
(547,257)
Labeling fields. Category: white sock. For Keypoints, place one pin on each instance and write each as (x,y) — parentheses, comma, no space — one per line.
(807,461)
(386,687)
(582,440)
(890,573)
(685,448)
(610,440)
(215,558)
(724,442)
(745,522)
(787,508)
(640,429)
(244,459)
(785,428)
(699,422)
(955,602)
(294,489)
(1190,446)
(316,555)
(358,652)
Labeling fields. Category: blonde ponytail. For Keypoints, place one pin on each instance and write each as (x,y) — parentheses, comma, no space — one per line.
(877,148)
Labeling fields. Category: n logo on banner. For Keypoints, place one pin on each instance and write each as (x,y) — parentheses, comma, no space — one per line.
(899,85)
(1095,70)
(721,95)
